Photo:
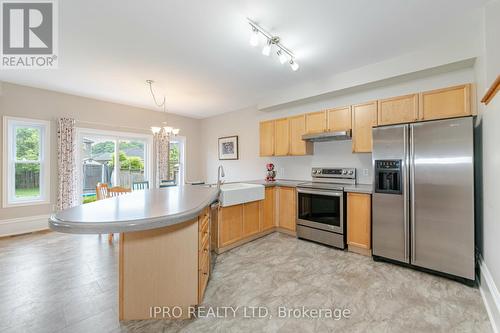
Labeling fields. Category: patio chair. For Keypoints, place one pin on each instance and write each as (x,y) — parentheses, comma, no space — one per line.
(168,183)
(140,185)
(115,192)
(101,191)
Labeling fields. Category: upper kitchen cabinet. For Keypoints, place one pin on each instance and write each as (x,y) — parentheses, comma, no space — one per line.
(267,138)
(298,146)
(281,137)
(364,117)
(316,122)
(446,103)
(397,110)
(339,119)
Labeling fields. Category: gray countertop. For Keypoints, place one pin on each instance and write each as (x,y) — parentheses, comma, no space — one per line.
(358,188)
(139,210)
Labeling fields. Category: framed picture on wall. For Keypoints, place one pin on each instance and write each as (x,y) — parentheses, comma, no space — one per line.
(228,148)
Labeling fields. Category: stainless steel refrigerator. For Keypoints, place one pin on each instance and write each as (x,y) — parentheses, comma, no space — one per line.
(423,201)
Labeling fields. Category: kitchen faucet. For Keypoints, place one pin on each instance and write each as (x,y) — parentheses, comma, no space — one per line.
(220,174)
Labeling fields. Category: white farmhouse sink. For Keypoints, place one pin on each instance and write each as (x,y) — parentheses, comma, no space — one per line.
(238,193)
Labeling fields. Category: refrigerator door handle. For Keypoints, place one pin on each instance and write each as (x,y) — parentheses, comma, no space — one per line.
(406,192)
(412,193)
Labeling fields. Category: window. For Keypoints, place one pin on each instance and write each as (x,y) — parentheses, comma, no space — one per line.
(27,162)
(176,160)
(113,158)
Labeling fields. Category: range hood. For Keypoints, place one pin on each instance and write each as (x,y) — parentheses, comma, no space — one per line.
(328,136)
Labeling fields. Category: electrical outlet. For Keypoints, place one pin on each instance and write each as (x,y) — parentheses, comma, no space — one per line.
(365,172)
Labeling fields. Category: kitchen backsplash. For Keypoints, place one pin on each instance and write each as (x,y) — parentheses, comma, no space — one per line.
(326,154)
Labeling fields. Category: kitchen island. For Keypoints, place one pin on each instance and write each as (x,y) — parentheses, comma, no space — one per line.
(164,255)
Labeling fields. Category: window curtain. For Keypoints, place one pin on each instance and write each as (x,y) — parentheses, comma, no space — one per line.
(66,163)
(160,157)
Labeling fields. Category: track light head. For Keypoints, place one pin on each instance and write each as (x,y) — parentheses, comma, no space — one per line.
(281,56)
(267,48)
(294,65)
(254,38)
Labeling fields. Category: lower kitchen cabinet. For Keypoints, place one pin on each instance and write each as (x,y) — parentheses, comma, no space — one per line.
(268,206)
(230,225)
(239,224)
(287,208)
(251,218)
(359,218)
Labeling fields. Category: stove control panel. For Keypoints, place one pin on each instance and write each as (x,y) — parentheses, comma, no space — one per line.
(344,173)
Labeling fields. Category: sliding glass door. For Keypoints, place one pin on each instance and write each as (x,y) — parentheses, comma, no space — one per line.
(116,159)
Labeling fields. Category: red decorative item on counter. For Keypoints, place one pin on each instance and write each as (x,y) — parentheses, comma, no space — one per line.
(271,173)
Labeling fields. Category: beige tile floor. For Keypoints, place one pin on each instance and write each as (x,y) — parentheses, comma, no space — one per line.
(55,282)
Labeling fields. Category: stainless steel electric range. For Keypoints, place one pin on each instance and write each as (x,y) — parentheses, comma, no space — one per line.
(321,206)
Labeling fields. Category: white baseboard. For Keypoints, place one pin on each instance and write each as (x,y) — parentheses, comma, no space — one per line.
(22,225)
(491,296)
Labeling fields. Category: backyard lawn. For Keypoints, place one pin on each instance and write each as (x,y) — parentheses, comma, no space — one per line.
(89,198)
(27,192)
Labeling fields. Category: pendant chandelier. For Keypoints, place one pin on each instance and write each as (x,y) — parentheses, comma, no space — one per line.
(169,130)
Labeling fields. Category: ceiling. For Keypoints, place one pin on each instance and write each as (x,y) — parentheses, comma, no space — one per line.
(198,52)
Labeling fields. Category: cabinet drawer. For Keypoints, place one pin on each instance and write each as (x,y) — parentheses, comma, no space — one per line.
(203,237)
(203,225)
(205,215)
(203,279)
(204,253)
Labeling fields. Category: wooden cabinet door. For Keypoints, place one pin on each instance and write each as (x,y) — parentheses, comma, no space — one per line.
(316,122)
(287,208)
(267,138)
(230,225)
(281,137)
(359,220)
(268,209)
(364,117)
(298,146)
(339,119)
(397,110)
(251,218)
(446,103)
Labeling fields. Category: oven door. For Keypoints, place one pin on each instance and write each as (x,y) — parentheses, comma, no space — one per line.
(321,209)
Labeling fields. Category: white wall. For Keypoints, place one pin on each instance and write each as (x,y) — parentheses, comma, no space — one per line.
(245,124)
(487,69)
(21,101)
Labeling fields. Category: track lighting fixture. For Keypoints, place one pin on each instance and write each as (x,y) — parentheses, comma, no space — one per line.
(282,52)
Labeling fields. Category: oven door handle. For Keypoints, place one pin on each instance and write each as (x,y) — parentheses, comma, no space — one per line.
(327,193)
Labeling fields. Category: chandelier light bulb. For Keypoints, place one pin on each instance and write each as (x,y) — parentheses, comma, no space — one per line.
(254,38)
(294,65)
(267,49)
(168,129)
(155,130)
(175,131)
